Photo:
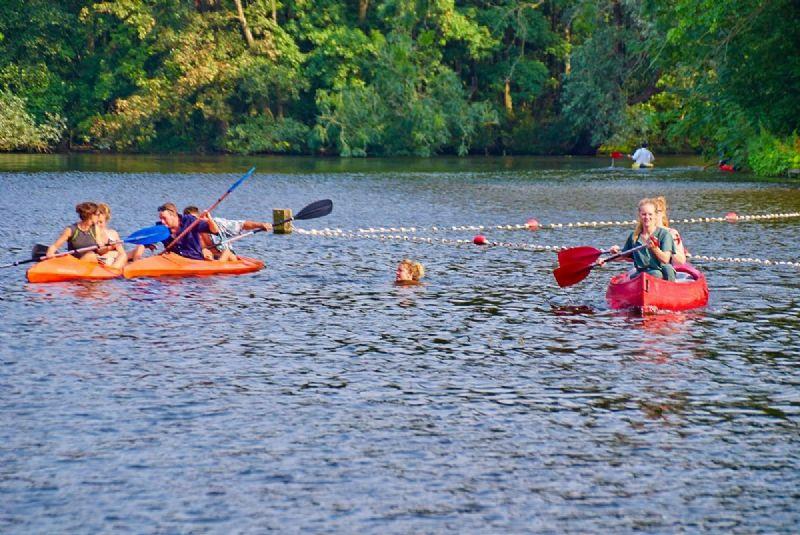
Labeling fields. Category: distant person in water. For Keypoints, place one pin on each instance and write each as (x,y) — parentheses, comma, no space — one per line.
(409,272)
(725,165)
(112,253)
(642,157)
(79,235)
(213,245)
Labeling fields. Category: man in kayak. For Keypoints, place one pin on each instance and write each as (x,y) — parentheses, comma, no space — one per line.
(190,245)
(228,228)
(79,235)
(642,157)
(653,259)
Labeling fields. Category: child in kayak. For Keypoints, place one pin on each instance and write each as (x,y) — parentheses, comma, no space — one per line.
(79,235)
(654,259)
(213,245)
(112,253)
(409,272)
(679,256)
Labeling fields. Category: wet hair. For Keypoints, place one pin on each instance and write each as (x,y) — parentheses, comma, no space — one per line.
(191,210)
(104,209)
(168,207)
(86,210)
(644,144)
(416,269)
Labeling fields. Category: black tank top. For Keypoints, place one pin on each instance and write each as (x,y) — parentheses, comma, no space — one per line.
(79,238)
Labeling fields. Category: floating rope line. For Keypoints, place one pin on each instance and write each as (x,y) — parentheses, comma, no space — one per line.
(338,233)
(532,224)
(736,260)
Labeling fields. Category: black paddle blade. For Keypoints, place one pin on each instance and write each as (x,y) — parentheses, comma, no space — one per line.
(39,250)
(315,210)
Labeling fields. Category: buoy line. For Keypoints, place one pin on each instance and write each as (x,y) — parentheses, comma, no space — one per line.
(338,233)
(533,224)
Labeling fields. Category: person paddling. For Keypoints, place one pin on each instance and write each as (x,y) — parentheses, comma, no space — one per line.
(655,258)
(190,245)
(642,157)
(228,228)
(79,235)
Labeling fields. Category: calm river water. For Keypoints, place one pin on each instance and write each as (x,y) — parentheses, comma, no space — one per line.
(316,396)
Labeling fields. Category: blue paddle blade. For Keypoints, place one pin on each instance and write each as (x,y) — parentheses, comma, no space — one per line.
(149,235)
(245,177)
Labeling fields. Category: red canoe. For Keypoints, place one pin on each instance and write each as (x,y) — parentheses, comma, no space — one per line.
(649,293)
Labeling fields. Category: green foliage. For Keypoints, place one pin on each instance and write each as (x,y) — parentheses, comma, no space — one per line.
(769,155)
(413,105)
(402,76)
(266,134)
(19,130)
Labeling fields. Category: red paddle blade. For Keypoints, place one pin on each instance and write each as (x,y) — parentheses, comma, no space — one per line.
(579,255)
(616,155)
(570,274)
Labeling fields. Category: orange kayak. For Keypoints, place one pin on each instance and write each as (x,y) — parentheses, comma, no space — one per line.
(175,265)
(69,268)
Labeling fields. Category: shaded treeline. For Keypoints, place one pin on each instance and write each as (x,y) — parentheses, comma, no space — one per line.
(395,77)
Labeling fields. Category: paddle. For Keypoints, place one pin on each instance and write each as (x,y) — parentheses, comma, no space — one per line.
(312,211)
(573,273)
(145,236)
(615,156)
(196,222)
(583,254)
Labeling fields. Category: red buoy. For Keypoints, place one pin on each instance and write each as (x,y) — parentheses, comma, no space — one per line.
(731,217)
(532,224)
(480,239)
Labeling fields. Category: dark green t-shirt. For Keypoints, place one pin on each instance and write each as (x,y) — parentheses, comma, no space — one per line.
(643,259)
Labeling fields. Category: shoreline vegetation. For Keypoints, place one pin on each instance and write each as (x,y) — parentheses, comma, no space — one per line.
(391,78)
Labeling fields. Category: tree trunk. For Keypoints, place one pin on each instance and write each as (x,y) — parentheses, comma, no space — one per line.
(275,11)
(363,5)
(507,98)
(568,58)
(245,28)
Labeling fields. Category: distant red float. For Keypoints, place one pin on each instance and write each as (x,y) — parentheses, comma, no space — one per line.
(731,217)
(480,239)
(533,224)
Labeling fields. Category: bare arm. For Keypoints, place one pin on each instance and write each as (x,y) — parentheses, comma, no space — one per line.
(59,242)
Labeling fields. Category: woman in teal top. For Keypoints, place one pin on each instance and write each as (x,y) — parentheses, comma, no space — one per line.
(655,258)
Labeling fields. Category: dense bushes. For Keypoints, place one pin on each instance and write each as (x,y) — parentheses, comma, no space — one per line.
(769,155)
(397,77)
